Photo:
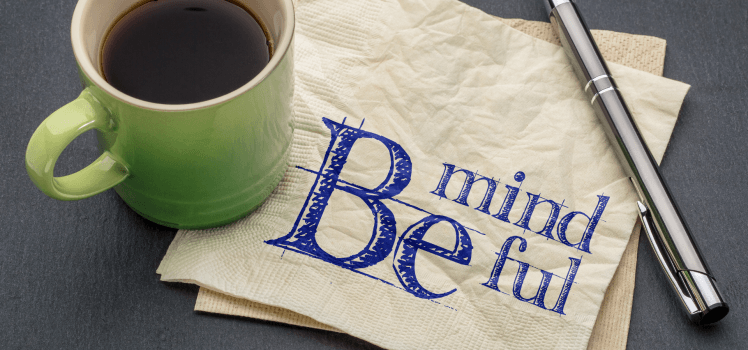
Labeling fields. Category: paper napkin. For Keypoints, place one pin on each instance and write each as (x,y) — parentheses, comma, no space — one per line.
(449,186)
(610,332)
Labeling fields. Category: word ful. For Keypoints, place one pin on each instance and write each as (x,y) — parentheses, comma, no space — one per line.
(532,203)
(302,237)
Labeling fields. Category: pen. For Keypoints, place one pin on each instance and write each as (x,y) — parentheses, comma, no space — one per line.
(663,224)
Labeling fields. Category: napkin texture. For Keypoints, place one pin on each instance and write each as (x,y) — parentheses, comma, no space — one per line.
(449,185)
(610,332)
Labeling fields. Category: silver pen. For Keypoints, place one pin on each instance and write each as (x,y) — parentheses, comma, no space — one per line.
(662,222)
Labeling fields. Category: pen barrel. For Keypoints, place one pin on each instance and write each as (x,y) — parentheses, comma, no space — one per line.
(668,232)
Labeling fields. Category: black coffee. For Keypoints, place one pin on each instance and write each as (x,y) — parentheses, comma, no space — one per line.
(184,51)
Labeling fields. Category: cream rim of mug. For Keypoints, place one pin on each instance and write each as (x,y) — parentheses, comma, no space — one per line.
(282,37)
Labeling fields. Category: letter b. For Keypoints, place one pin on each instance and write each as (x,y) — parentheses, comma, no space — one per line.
(302,236)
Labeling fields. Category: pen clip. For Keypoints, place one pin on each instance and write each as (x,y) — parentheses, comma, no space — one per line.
(672,274)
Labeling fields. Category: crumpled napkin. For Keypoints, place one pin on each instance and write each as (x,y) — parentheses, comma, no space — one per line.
(449,185)
(611,328)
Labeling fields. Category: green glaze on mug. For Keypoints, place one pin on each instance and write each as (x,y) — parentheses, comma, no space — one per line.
(183,166)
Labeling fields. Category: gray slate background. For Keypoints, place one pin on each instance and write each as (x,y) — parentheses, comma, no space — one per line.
(81,275)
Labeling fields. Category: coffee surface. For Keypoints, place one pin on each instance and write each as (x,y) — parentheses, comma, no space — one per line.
(184,51)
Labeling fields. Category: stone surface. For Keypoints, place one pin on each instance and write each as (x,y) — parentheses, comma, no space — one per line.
(81,275)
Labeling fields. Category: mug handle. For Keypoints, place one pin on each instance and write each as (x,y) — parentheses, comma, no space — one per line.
(55,133)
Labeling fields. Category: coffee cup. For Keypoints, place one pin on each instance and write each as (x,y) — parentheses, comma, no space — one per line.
(188,166)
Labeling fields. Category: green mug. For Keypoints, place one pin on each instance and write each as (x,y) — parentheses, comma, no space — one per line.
(188,166)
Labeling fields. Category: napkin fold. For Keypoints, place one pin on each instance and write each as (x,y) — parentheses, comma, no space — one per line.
(449,185)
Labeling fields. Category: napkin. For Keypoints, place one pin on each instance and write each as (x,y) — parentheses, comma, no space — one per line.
(610,332)
(449,185)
